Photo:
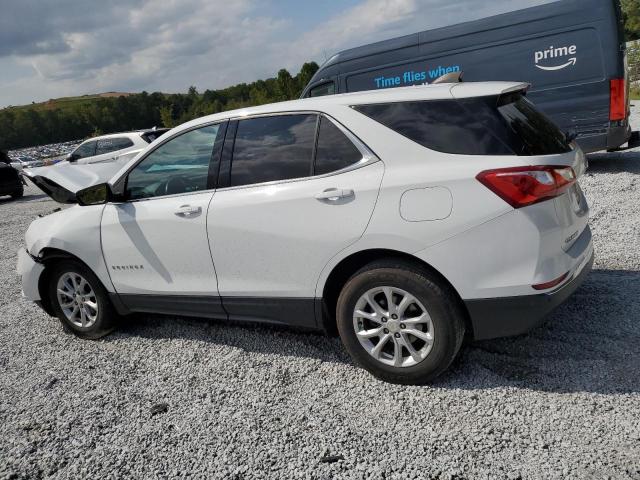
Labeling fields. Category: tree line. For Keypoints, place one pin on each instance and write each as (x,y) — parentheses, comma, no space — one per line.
(37,125)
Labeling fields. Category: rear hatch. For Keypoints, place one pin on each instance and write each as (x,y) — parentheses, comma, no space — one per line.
(554,163)
(571,207)
(530,160)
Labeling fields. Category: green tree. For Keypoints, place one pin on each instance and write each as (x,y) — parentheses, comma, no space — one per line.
(286,86)
(307,71)
(634,69)
(166,116)
(631,14)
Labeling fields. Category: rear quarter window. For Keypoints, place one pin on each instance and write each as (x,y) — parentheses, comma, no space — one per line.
(334,151)
(507,125)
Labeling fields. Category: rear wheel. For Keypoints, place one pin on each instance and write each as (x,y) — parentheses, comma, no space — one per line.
(399,323)
(80,301)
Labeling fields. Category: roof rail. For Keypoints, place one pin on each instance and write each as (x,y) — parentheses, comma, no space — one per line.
(453,77)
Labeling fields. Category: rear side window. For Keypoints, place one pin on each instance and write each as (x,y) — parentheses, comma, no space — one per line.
(335,151)
(273,148)
(505,125)
(108,145)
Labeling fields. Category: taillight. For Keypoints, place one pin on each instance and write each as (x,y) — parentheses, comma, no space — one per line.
(618,110)
(523,186)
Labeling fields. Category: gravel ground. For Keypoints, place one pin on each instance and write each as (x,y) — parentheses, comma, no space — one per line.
(254,402)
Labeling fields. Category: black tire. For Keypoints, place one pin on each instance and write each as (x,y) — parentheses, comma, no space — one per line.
(18,193)
(440,302)
(106,317)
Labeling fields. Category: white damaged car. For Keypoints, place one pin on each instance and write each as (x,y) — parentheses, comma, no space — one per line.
(402,219)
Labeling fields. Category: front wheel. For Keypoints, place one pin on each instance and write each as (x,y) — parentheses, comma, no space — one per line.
(399,322)
(80,301)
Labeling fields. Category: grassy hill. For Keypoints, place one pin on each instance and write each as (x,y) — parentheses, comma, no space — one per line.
(68,103)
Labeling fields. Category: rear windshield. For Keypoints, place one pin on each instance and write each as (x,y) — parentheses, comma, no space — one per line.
(494,125)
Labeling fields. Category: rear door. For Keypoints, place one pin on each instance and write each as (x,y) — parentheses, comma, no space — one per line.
(284,209)
(155,244)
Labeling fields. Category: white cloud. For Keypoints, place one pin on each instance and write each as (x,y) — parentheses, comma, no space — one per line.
(72,47)
(166,45)
(372,20)
(377,20)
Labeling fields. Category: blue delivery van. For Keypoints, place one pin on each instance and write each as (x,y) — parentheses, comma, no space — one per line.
(572,52)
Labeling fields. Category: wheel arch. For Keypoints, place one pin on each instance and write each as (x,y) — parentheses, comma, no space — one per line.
(49,256)
(349,265)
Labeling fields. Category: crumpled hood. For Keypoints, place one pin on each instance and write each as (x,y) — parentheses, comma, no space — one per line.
(61,182)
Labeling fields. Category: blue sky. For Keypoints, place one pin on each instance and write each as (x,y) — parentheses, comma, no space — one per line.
(54,48)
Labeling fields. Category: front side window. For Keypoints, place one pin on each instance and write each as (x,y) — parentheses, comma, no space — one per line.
(328,88)
(87,149)
(334,151)
(273,148)
(493,125)
(179,166)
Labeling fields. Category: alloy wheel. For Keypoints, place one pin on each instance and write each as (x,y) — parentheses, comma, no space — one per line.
(393,326)
(77,300)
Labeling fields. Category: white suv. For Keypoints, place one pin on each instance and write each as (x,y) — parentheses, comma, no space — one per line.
(109,147)
(403,219)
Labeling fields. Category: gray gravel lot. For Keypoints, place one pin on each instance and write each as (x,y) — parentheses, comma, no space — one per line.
(256,402)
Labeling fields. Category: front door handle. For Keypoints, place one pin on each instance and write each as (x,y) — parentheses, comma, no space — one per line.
(335,194)
(188,211)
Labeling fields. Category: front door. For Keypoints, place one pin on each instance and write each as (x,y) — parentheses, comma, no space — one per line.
(155,244)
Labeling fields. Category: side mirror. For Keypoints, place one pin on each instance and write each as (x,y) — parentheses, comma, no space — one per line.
(72,157)
(95,195)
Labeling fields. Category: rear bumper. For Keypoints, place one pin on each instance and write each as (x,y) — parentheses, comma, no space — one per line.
(614,137)
(509,316)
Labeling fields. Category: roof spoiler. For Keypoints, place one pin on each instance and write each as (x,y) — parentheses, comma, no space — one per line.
(523,87)
(453,77)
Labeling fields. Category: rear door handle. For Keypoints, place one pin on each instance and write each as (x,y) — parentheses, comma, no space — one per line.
(335,194)
(188,211)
